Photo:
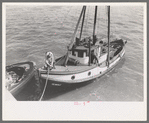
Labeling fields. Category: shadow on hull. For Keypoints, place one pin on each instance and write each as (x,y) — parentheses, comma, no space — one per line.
(54,91)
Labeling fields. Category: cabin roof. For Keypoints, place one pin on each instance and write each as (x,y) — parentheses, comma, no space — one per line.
(82,48)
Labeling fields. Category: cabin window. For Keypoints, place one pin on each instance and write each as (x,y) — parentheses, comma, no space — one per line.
(73,53)
(76,54)
(84,54)
(80,54)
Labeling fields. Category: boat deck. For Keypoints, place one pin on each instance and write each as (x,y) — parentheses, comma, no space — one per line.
(72,68)
(62,70)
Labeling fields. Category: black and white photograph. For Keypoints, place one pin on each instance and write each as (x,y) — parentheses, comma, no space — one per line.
(77,53)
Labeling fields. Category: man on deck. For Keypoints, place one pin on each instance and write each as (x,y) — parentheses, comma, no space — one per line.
(49,61)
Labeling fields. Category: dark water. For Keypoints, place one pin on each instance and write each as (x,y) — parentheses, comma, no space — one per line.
(33,30)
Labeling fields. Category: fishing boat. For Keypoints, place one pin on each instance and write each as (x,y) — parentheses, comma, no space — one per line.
(18,75)
(86,58)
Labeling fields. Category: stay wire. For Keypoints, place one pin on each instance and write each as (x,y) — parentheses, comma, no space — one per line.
(76,14)
(66,15)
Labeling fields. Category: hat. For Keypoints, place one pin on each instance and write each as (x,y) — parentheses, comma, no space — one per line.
(48,53)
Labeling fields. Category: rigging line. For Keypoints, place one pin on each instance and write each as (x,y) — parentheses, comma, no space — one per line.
(59,21)
(75,17)
(77,14)
(67,13)
(70,24)
(72,40)
(57,18)
(66,16)
(74,34)
(35,22)
(71,8)
(45,85)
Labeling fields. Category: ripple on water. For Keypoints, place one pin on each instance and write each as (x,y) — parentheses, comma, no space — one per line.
(31,31)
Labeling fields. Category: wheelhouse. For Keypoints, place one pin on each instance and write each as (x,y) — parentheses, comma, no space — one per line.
(81,53)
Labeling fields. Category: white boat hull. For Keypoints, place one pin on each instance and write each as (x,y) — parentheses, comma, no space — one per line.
(83,76)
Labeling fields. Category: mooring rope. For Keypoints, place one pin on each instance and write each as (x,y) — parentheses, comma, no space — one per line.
(44,86)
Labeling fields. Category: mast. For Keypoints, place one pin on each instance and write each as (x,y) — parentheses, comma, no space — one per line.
(73,37)
(95,16)
(89,63)
(74,34)
(94,24)
(108,34)
(82,22)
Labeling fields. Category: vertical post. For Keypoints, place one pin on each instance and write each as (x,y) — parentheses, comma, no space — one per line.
(82,22)
(94,24)
(89,63)
(108,34)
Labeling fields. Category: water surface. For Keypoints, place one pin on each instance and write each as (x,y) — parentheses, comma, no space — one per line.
(33,30)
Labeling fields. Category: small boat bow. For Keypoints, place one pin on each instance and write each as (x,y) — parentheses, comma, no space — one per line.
(18,75)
